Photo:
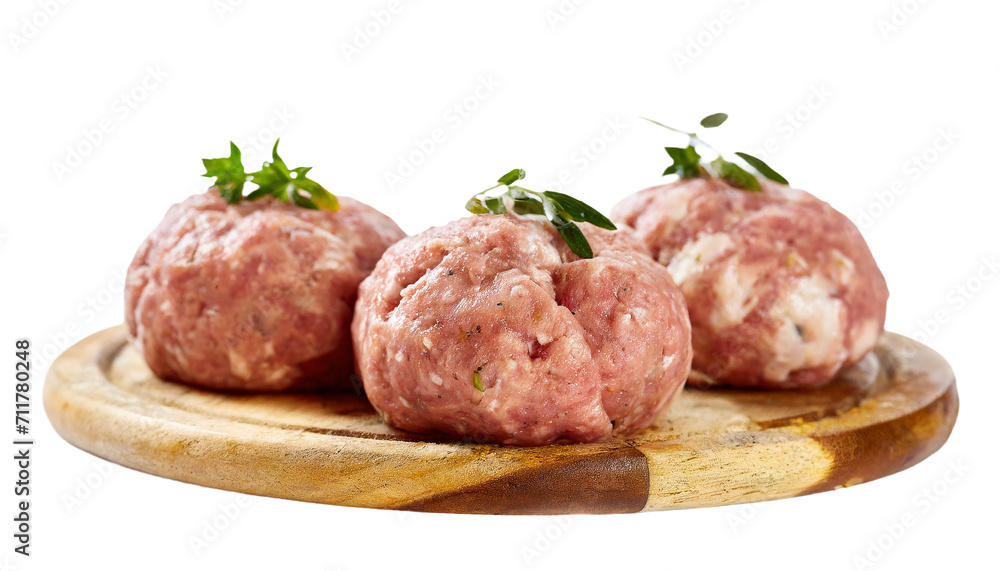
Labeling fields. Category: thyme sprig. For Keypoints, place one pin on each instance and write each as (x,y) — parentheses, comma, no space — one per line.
(689,163)
(561,210)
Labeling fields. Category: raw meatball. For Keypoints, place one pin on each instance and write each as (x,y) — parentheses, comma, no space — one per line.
(782,289)
(562,348)
(253,297)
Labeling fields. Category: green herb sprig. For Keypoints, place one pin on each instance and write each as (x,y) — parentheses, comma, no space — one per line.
(275,179)
(562,210)
(689,163)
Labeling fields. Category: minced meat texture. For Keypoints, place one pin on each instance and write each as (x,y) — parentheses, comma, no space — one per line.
(489,329)
(253,297)
(782,289)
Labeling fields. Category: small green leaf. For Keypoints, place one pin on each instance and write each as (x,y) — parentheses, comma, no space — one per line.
(735,175)
(689,164)
(762,168)
(686,162)
(291,185)
(299,200)
(477,382)
(560,209)
(320,196)
(476,206)
(511,177)
(487,205)
(573,236)
(273,179)
(578,210)
(526,205)
(229,174)
(714,120)
(496,205)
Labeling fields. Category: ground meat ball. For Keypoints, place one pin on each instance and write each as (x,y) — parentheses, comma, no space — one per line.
(254,297)
(564,348)
(782,289)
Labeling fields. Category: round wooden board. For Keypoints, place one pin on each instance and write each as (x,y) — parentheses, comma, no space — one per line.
(713,447)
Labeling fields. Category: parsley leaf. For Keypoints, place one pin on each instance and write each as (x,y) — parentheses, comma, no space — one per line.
(275,179)
(291,185)
(229,174)
(686,162)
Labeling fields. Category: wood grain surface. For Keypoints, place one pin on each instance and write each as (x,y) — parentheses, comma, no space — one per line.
(713,447)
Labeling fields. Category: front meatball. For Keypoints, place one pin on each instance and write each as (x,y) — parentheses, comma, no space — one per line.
(253,297)
(489,329)
(782,289)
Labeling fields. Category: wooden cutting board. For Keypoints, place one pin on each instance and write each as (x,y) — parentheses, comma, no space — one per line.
(713,447)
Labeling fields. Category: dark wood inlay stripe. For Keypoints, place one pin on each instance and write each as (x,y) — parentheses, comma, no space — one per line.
(614,481)
(878,450)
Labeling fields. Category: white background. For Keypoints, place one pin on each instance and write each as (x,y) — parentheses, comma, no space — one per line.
(847,97)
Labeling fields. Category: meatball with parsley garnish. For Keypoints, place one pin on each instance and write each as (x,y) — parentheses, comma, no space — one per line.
(254,293)
(519,326)
(782,289)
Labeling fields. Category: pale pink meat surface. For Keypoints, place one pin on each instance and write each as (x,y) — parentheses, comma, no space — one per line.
(782,289)
(565,349)
(253,297)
